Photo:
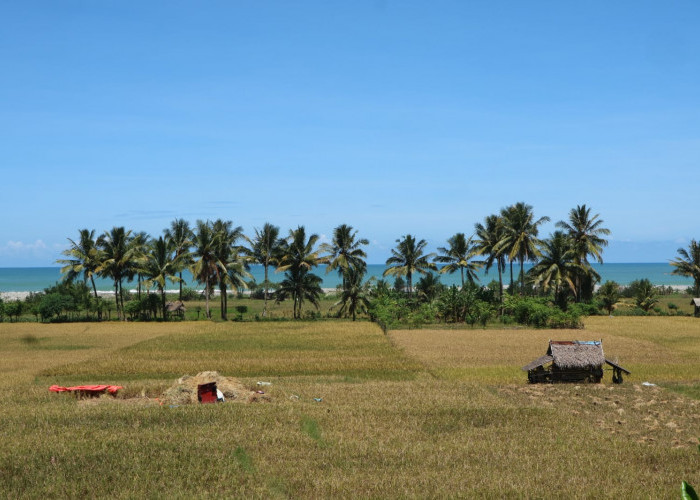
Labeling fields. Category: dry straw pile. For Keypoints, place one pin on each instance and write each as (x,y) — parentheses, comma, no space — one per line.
(184,390)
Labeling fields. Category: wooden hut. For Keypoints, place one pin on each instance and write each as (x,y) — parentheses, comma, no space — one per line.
(572,361)
(176,307)
(695,302)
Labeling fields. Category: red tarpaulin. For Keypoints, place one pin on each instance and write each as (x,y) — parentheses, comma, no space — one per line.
(112,389)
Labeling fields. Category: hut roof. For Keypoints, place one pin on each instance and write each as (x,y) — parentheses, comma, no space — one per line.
(695,302)
(538,362)
(576,353)
(615,365)
(175,306)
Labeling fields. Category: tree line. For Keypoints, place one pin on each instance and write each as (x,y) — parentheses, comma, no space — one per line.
(218,254)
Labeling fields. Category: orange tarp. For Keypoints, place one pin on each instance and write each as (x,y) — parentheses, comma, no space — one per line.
(112,389)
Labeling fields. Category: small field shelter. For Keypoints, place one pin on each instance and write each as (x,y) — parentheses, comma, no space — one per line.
(572,361)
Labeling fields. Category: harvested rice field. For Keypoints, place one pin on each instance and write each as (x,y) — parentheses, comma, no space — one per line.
(346,411)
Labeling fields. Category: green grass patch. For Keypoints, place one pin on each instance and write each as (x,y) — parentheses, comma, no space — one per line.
(61,347)
(691,390)
(244,460)
(310,427)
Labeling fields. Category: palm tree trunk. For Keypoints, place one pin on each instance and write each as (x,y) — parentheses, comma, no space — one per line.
(522,276)
(224,304)
(180,286)
(206,295)
(94,288)
(264,313)
(500,281)
(120,299)
(461,269)
(162,294)
(116,297)
(510,261)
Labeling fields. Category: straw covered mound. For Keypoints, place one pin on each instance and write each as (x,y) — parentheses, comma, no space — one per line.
(184,391)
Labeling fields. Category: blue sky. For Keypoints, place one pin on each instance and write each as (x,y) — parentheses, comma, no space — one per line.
(394,117)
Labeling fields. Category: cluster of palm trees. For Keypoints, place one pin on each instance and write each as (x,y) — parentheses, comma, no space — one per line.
(211,252)
(218,255)
(561,262)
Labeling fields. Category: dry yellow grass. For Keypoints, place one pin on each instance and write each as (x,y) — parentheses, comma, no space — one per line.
(463,425)
(354,349)
(657,349)
(477,355)
(27,348)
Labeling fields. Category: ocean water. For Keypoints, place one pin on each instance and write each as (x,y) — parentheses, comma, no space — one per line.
(34,279)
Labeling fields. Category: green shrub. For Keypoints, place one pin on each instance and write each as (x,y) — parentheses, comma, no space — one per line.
(190,294)
(14,309)
(586,308)
(567,319)
(537,312)
(54,304)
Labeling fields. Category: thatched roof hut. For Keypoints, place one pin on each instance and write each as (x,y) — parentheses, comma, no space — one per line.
(576,353)
(176,306)
(696,303)
(572,361)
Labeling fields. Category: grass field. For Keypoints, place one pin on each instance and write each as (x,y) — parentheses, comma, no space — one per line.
(417,413)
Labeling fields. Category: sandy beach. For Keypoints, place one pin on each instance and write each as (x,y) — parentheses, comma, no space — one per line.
(12,296)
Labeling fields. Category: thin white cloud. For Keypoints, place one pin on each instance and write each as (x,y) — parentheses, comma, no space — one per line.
(16,247)
(22,253)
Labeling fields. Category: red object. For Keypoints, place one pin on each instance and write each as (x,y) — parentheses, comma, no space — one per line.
(93,389)
(206,393)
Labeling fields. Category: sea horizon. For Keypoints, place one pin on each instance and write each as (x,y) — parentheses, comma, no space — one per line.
(36,279)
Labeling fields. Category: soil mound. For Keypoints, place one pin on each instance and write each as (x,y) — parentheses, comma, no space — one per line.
(184,391)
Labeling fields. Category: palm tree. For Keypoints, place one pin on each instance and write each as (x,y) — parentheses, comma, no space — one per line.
(344,251)
(520,236)
(237,269)
(355,297)
(226,251)
(556,267)
(609,294)
(586,233)
(489,235)
(180,236)
(298,252)
(459,255)
(298,258)
(139,244)
(205,264)
(265,251)
(159,264)
(645,295)
(688,264)
(83,258)
(408,258)
(428,287)
(117,259)
(300,285)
